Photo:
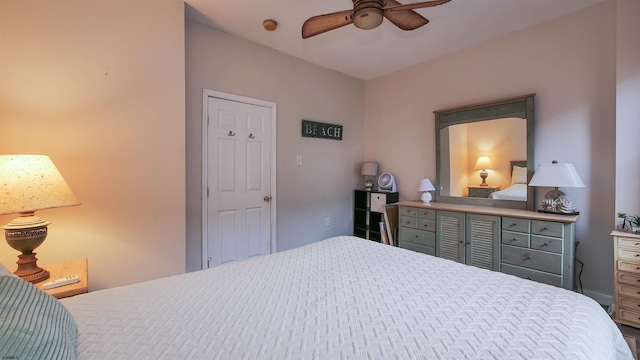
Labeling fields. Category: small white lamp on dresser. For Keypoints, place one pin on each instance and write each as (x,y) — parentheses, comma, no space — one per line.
(426,186)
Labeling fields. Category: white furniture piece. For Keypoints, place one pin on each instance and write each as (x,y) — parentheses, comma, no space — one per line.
(340,298)
(343,298)
(626,252)
(531,245)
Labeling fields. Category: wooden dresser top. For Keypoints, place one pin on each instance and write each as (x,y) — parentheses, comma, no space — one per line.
(486,210)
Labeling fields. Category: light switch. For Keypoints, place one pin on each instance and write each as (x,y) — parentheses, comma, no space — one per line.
(299,160)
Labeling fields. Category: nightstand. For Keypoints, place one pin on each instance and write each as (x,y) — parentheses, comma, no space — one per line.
(64,269)
(482,191)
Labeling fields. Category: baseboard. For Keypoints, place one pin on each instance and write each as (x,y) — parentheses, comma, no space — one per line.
(600,298)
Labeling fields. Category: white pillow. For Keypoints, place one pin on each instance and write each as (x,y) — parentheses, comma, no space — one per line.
(519,175)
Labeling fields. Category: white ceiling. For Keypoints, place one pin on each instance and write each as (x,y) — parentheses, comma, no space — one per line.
(366,54)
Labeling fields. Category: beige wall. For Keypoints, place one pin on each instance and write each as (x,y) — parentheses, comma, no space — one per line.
(306,195)
(569,62)
(628,108)
(99,87)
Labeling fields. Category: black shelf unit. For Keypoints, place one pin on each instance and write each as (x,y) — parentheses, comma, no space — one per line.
(366,220)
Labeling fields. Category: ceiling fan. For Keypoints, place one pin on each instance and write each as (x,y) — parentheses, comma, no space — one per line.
(368,14)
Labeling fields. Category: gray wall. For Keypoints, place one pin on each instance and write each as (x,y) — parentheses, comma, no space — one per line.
(306,194)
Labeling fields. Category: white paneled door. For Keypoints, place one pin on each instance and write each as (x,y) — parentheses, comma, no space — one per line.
(238,181)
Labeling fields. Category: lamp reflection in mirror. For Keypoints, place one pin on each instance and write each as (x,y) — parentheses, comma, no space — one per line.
(483,164)
(426,186)
(557,175)
(369,169)
(29,183)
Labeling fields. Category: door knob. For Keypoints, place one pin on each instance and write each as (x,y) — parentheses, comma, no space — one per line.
(267,198)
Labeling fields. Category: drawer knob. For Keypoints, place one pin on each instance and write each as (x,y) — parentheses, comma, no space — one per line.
(545,228)
(514,224)
(543,245)
(637,255)
(417,236)
(527,257)
(514,239)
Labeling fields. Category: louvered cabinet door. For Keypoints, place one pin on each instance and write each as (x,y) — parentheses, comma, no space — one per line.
(450,235)
(482,245)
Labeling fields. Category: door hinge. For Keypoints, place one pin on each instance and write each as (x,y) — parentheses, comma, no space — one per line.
(207,191)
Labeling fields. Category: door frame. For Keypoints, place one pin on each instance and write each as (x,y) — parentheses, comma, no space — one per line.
(206,94)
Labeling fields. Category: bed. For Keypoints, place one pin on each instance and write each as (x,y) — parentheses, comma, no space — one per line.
(342,298)
(517,191)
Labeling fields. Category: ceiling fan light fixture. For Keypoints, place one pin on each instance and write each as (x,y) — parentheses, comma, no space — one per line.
(367,19)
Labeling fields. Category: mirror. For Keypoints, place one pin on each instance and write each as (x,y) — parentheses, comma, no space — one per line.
(484,154)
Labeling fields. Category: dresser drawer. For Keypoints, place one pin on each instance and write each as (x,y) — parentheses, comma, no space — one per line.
(427,214)
(539,260)
(628,266)
(628,303)
(407,221)
(629,243)
(629,316)
(629,291)
(409,211)
(555,280)
(547,228)
(629,278)
(419,248)
(629,254)
(515,239)
(427,225)
(546,244)
(515,224)
(426,238)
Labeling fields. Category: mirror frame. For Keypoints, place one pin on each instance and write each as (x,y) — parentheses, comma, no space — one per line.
(521,107)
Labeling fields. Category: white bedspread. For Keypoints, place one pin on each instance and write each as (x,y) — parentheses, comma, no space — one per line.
(343,298)
(517,192)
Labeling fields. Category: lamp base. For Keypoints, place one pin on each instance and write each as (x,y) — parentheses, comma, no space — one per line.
(25,233)
(483,175)
(556,202)
(368,184)
(29,270)
(426,197)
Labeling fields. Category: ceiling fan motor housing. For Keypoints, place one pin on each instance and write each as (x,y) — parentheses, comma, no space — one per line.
(367,14)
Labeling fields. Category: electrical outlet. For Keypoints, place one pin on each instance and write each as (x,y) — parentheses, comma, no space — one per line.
(327,221)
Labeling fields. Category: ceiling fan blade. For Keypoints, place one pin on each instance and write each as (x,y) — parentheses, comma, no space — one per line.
(323,23)
(419,5)
(405,20)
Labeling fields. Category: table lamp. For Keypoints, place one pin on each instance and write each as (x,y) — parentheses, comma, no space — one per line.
(369,169)
(426,186)
(557,175)
(483,164)
(29,183)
